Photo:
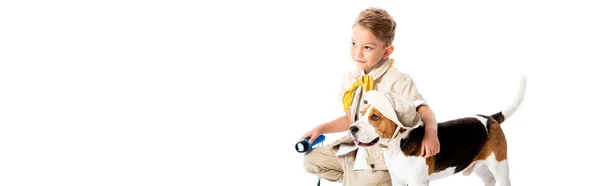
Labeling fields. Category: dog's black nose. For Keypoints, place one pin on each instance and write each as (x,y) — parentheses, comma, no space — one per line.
(353,129)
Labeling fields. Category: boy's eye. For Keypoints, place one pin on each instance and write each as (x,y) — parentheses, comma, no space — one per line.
(368,48)
(353,44)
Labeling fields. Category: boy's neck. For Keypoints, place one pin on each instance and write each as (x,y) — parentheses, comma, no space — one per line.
(378,65)
(363,72)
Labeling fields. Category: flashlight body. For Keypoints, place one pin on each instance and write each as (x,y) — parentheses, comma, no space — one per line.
(303,146)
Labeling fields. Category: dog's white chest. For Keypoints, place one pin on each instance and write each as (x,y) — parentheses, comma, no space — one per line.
(405,170)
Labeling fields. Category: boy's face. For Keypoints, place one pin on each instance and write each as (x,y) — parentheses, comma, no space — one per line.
(366,49)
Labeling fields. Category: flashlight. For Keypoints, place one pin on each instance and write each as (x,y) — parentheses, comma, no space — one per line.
(303,146)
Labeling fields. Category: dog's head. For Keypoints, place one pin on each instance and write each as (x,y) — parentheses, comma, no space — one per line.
(386,116)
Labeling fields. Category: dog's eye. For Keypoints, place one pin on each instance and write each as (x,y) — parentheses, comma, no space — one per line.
(374,117)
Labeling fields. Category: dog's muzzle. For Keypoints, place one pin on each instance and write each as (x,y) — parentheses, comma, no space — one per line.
(367,144)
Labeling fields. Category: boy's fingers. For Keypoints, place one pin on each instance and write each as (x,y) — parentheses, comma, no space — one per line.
(313,137)
(307,135)
(422,150)
(304,136)
(429,151)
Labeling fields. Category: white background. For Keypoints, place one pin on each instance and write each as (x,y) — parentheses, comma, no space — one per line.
(216,93)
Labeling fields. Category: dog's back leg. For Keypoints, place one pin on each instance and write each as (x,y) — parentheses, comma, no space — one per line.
(500,171)
(483,172)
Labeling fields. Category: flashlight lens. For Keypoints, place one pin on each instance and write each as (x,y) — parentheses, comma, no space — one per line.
(300,147)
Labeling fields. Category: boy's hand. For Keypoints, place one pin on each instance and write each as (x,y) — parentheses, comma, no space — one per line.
(313,134)
(431,144)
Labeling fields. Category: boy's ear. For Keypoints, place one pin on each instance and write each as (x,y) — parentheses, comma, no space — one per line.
(388,51)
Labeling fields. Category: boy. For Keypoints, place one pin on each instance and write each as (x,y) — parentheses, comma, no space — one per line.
(342,161)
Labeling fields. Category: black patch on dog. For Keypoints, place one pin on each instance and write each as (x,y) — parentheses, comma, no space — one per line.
(460,142)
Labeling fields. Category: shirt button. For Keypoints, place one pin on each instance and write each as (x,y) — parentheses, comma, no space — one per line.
(372,165)
(365,102)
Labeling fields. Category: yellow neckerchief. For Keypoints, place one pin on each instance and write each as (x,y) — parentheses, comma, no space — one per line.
(366,81)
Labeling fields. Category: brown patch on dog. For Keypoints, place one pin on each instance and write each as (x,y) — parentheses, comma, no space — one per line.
(384,126)
(364,110)
(499,117)
(401,130)
(431,163)
(496,142)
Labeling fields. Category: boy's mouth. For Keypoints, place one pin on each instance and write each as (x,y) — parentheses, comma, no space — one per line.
(359,61)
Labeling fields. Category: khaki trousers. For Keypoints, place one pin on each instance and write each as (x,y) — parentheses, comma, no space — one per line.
(322,162)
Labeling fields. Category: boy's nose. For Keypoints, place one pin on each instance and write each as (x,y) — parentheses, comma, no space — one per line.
(358,54)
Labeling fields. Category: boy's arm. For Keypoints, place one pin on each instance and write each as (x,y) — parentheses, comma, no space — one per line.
(430,144)
(339,124)
(429,120)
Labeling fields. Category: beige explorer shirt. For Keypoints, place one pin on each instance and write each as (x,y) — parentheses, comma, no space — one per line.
(391,80)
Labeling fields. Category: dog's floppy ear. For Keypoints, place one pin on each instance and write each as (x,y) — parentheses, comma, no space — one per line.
(406,110)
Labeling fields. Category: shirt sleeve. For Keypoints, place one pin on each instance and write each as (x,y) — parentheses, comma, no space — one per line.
(408,88)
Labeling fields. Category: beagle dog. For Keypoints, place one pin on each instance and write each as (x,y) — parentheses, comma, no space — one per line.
(470,144)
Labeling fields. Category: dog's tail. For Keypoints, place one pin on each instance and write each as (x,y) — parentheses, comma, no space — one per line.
(510,110)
